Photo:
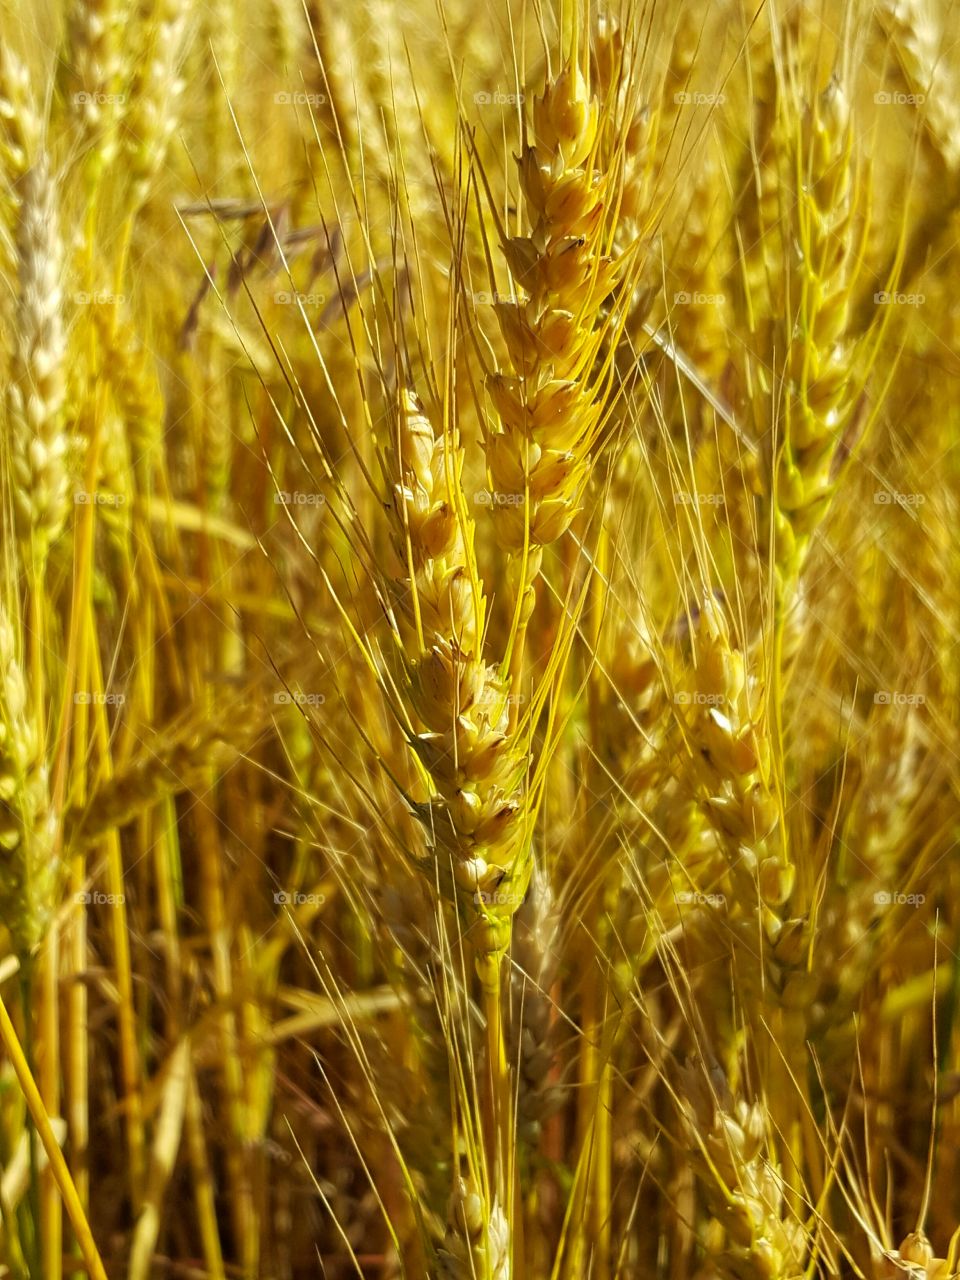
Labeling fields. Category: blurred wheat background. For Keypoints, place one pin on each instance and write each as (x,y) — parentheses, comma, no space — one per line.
(479,605)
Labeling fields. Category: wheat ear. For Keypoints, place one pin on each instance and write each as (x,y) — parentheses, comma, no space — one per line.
(917,39)
(155,96)
(535,957)
(819,368)
(732,770)
(94,74)
(476,765)
(19,121)
(549,405)
(752,1236)
(35,396)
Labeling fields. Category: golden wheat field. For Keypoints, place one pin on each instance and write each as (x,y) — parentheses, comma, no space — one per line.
(479,621)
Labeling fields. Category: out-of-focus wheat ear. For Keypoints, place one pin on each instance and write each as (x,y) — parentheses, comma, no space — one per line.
(763,191)
(753,1232)
(35,395)
(821,381)
(28,867)
(675,85)
(132,372)
(477,1243)
(731,759)
(93,71)
(631,138)
(918,40)
(535,955)
(20,130)
(154,105)
(20,124)
(920,43)
(700,318)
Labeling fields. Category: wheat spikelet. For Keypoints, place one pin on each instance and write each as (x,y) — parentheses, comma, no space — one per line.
(35,397)
(916,1257)
(477,1243)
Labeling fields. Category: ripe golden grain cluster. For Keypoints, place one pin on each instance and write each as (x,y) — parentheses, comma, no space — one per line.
(479,727)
